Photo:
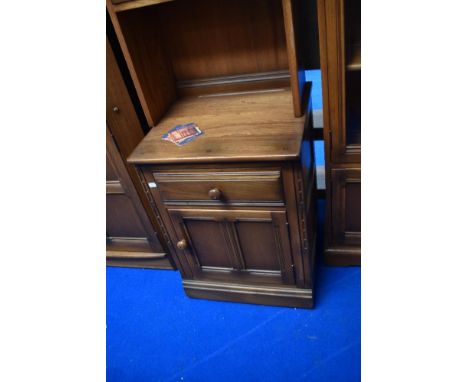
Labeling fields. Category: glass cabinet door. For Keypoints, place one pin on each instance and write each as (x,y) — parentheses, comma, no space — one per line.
(340,30)
(352,47)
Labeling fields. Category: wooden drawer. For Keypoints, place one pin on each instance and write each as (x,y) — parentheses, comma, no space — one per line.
(217,187)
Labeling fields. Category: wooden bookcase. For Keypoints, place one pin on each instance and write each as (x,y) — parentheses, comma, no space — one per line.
(236,204)
(340,53)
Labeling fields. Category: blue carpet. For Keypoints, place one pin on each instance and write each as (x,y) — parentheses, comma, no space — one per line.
(156,333)
(315,76)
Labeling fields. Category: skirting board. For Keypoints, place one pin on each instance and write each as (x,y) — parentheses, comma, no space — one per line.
(252,294)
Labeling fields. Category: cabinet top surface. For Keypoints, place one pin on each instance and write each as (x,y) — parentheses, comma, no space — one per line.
(244,127)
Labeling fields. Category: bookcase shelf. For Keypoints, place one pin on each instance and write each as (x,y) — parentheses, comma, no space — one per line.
(175,48)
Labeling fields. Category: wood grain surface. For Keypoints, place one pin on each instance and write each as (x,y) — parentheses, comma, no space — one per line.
(242,127)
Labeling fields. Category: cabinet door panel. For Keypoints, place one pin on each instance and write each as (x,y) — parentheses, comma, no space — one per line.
(256,242)
(243,245)
(207,242)
(346,206)
(127,225)
(121,218)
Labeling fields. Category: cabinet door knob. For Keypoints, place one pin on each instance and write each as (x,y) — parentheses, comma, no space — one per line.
(115,109)
(182,244)
(214,194)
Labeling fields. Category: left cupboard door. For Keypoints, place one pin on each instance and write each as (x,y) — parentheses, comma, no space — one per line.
(131,240)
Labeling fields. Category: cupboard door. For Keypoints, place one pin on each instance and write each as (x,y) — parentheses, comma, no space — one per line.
(346,206)
(131,240)
(233,245)
(125,231)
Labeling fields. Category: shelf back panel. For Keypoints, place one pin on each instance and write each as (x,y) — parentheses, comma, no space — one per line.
(187,47)
(212,38)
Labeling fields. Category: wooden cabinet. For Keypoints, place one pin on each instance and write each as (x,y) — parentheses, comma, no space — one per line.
(235,204)
(246,242)
(131,236)
(340,54)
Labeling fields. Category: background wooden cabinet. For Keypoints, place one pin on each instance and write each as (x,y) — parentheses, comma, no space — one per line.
(340,54)
(132,238)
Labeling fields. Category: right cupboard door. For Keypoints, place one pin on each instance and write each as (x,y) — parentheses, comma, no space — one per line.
(346,206)
(236,245)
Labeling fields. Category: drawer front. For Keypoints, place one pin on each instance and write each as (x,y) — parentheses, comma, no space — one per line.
(215,187)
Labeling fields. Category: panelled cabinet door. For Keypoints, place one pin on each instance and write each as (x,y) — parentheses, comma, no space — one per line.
(124,228)
(346,206)
(237,245)
(128,228)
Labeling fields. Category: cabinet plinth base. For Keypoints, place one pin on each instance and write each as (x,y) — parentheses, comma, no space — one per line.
(252,294)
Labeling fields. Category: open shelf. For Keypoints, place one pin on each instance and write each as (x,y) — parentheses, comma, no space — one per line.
(180,48)
(236,127)
(354,60)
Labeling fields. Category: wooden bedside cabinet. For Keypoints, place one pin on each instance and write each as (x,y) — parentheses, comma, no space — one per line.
(236,204)
(236,230)
(237,207)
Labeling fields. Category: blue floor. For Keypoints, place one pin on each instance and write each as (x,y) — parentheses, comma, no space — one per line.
(156,333)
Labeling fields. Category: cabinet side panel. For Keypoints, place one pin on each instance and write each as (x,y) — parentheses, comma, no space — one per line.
(140,38)
(299,33)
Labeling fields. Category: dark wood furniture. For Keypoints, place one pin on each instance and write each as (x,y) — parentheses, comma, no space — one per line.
(132,240)
(340,52)
(236,204)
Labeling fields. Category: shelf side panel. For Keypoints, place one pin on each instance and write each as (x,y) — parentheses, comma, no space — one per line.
(143,49)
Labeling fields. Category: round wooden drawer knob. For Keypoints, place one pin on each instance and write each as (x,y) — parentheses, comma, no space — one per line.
(214,194)
(182,244)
